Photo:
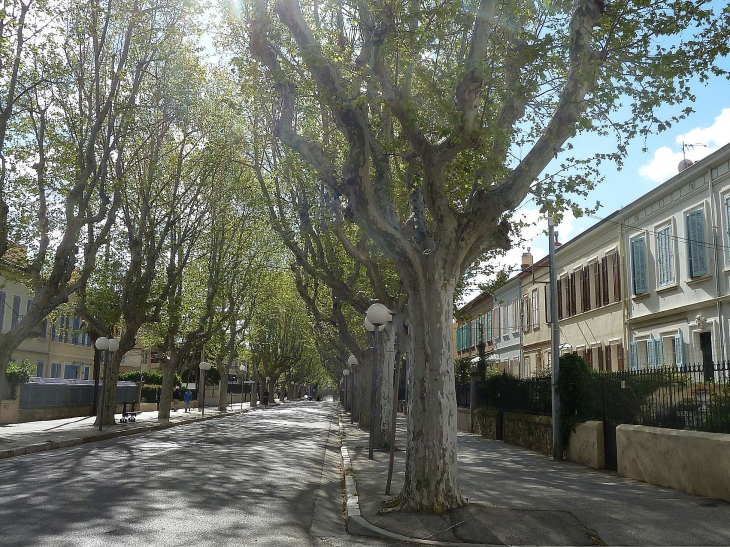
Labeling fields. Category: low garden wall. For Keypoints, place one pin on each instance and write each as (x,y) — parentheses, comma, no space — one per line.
(586,445)
(692,461)
(529,431)
(463,420)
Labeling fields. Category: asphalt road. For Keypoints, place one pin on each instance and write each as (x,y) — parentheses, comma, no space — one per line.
(268,477)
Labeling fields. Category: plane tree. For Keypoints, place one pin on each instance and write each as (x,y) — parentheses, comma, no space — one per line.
(431,122)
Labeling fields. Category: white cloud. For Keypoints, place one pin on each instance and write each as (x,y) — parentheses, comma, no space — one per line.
(665,161)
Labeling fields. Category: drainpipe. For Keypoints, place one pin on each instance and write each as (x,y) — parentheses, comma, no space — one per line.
(718,257)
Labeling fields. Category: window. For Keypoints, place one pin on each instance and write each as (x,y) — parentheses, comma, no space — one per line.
(638,265)
(44,329)
(490,324)
(40,365)
(528,369)
(515,315)
(525,313)
(87,370)
(535,309)
(664,256)
(597,299)
(560,298)
(697,263)
(71,372)
(573,295)
(55,370)
(76,329)
(654,353)
(16,311)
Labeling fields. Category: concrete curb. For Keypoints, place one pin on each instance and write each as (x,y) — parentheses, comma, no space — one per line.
(356,523)
(106,435)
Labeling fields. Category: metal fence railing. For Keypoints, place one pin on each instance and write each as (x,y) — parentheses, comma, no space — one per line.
(690,397)
(57,392)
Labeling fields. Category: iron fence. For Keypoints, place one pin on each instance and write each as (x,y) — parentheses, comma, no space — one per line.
(56,392)
(689,397)
(463,393)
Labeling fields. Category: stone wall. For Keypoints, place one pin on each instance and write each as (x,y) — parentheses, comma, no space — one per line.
(53,413)
(529,431)
(463,420)
(586,445)
(692,461)
(487,422)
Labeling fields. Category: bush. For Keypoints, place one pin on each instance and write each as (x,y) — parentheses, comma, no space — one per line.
(572,381)
(151,377)
(17,374)
(462,372)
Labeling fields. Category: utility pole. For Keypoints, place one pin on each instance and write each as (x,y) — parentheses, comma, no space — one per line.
(555,344)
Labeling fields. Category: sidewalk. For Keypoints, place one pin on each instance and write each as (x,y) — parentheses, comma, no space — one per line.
(29,437)
(518,497)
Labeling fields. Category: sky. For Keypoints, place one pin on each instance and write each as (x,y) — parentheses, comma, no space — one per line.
(706,130)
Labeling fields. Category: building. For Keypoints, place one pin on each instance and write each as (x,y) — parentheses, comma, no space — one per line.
(506,334)
(678,241)
(475,320)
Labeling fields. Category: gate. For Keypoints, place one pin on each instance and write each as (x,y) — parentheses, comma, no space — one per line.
(609,445)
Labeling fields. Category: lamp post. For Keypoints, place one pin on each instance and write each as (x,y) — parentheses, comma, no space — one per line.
(346,373)
(242,368)
(291,392)
(377,315)
(352,361)
(107,345)
(204,367)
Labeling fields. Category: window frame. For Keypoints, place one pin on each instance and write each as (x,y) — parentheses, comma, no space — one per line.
(666,270)
(639,278)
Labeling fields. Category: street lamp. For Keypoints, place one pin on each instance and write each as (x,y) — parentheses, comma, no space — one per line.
(346,373)
(242,368)
(107,345)
(352,361)
(377,315)
(204,367)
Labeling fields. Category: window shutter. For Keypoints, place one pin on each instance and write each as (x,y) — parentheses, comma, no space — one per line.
(633,356)
(16,311)
(582,283)
(546,299)
(604,270)
(589,357)
(600,358)
(597,284)
(659,350)
(573,294)
(616,279)
(727,223)
(458,338)
(620,357)
(490,336)
(696,244)
(587,287)
(638,265)
(679,349)
(536,309)
(608,358)
(665,257)
(651,353)
(560,299)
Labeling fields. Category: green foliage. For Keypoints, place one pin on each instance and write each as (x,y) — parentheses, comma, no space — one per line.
(718,415)
(151,377)
(462,372)
(17,374)
(572,382)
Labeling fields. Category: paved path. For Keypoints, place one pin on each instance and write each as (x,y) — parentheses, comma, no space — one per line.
(267,477)
(519,497)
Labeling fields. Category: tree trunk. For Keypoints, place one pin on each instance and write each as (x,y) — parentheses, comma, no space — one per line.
(384,412)
(223,398)
(431,481)
(168,386)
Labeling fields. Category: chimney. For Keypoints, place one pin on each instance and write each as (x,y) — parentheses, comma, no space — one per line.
(557,243)
(526,259)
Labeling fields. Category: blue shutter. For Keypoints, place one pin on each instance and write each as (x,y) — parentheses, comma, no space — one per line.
(16,311)
(665,257)
(633,356)
(458,338)
(696,244)
(679,349)
(638,264)
(659,351)
(651,353)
